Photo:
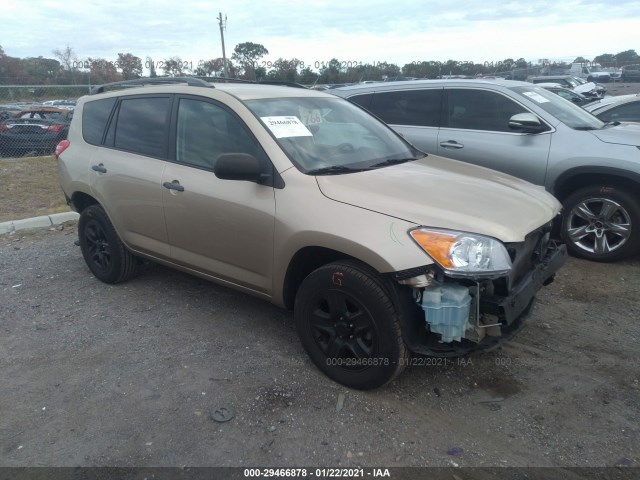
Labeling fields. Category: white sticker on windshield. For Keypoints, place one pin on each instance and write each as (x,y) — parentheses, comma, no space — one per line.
(283,127)
(536,97)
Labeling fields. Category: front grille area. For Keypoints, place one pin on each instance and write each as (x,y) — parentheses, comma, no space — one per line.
(524,255)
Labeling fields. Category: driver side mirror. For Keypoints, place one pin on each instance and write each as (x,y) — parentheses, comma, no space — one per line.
(239,166)
(526,123)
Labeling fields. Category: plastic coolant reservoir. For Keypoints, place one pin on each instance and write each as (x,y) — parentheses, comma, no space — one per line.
(446,310)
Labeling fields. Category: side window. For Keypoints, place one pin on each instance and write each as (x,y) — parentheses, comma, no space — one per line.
(205,131)
(95,116)
(479,110)
(363,100)
(142,125)
(409,107)
(629,112)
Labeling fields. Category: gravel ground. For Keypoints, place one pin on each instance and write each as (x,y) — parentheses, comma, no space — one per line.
(129,375)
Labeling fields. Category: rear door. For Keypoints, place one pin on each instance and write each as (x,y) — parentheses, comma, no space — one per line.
(475,129)
(222,228)
(125,173)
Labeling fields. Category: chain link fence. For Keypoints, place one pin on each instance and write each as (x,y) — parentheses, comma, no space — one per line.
(35,118)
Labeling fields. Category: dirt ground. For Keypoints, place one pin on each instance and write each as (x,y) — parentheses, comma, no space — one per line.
(130,375)
(30,188)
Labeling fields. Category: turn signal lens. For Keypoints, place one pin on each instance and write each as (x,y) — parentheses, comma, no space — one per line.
(464,254)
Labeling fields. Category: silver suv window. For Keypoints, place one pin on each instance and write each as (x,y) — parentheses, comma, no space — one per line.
(321,133)
(568,113)
(479,110)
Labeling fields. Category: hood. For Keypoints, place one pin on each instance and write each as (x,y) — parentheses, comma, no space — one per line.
(623,134)
(586,87)
(444,193)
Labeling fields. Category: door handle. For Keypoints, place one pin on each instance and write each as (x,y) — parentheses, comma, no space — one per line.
(175,185)
(451,144)
(99,168)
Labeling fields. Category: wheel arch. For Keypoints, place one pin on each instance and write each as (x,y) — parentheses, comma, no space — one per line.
(580,177)
(82,200)
(303,262)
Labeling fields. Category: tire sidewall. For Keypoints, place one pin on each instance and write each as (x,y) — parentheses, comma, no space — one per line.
(388,350)
(618,195)
(96,214)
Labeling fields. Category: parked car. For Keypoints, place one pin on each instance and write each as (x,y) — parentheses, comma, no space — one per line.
(305,200)
(630,73)
(35,131)
(566,93)
(623,108)
(529,132)
(578,85)
(593,73)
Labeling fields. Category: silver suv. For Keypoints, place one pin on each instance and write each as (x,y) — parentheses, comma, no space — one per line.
(592,167)
(305,200)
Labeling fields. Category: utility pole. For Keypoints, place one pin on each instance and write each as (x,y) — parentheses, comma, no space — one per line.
(223,25)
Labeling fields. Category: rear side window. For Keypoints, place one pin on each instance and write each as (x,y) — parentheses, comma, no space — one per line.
(142,126)
(629,112)
(95,116)
(409,107)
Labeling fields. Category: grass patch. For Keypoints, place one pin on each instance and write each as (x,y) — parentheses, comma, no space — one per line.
(30,188)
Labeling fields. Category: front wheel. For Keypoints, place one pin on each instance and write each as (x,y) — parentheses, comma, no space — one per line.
(602,223)
(349,325)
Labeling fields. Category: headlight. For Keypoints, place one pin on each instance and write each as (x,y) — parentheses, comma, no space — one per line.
(464,254)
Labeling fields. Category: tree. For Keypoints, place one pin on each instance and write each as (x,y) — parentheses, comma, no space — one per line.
(247,55)
(130,65)
(69,61)
(210,68)
(11,70)
(41,71)
(628,57)
(285,70)
(581,60)
(606,60)
(331,72)
(102,71)
(175,67)
(308,76)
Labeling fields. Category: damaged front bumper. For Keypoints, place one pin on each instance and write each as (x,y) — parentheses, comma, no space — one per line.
(452,322)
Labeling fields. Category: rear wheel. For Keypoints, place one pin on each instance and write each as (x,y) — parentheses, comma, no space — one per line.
(349,326)
(105,254)
(602,223)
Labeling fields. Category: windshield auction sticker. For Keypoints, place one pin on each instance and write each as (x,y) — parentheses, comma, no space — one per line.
(536,97)
(283,127)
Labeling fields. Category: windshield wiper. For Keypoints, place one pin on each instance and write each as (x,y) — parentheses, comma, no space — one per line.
(586,128)
(392,161)
(334,170)
(615,123)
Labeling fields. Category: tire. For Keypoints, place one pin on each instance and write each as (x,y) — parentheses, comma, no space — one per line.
(349,326)
(602,223)
(105,254)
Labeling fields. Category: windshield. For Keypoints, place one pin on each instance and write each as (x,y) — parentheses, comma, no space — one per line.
(564,110)
(331,136)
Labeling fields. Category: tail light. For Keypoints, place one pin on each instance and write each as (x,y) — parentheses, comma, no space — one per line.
(4,128)
(61,147)
(55,128)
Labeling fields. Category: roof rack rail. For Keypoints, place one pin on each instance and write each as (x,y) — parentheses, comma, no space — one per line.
(191,81)
(259,82)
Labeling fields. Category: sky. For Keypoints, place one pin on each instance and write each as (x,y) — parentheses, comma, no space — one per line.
(315,31)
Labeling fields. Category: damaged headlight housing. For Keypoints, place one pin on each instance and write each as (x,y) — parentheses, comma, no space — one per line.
(464,254)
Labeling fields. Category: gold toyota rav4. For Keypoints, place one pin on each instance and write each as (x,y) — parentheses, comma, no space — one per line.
(307,201)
